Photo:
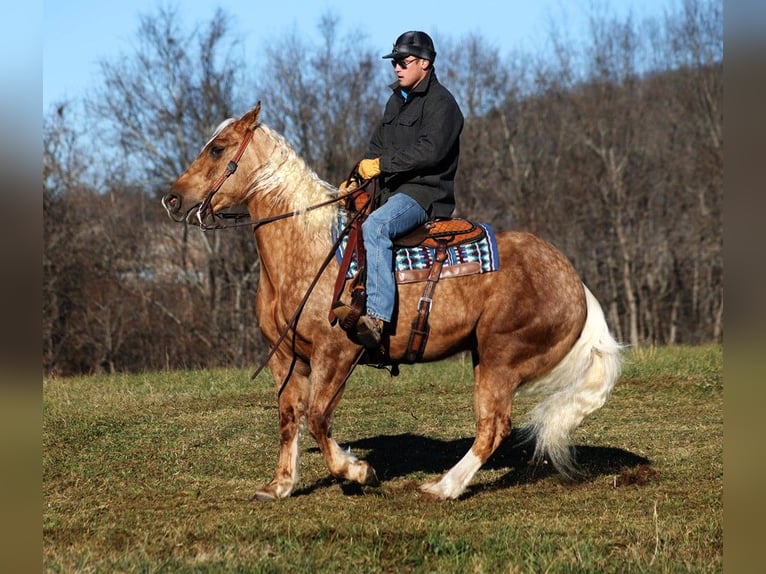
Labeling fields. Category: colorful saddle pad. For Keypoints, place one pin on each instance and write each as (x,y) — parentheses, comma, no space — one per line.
(412,263)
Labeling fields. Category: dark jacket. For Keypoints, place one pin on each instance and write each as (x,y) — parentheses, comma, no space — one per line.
(418,143)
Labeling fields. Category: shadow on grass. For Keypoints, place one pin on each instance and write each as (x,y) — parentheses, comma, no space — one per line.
(396,456)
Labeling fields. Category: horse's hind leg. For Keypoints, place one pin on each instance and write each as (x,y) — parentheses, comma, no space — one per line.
(493,394)
(292,410)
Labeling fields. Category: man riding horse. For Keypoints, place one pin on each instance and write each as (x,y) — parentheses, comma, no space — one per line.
(413,156)
(530,323)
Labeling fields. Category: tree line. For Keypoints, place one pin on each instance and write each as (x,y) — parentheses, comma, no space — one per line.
(611,149)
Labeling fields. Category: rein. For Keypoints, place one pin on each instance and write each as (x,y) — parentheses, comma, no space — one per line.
(263,221)
(202,214)
(293,322)
(231,167)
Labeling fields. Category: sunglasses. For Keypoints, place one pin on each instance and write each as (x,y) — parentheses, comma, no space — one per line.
(402,63)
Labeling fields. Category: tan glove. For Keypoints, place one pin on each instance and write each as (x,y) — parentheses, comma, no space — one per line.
(369,168)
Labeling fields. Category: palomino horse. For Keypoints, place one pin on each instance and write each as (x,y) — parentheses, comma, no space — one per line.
(531,323)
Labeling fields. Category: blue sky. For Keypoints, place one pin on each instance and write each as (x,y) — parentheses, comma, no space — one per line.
(78,34)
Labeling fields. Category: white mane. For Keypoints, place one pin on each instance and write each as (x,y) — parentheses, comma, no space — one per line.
(287,181)
(223,125)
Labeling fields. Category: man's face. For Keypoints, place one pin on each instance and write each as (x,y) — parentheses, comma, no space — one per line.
(409,71)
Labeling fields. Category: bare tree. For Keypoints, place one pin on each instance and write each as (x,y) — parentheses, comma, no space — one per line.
(617,162)
(620,166)
(64,166)
(162,103)
(324,98)
(475,72)
(159,104)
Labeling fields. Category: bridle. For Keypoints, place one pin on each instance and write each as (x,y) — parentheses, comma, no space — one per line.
(205,207)
(205,210)
(231,167)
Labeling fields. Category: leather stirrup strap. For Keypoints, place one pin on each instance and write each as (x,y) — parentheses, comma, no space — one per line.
(420,329)
(358,293)
(345,263)
(358,290)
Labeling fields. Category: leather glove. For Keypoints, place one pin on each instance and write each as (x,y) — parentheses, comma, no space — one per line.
(350,185)
(369,168)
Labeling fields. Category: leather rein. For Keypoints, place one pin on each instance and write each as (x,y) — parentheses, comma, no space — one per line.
(202,215)
(204,209)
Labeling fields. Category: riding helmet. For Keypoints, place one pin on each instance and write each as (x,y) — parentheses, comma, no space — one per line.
(413,43)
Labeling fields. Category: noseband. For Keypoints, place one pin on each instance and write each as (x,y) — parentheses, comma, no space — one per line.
(231,167)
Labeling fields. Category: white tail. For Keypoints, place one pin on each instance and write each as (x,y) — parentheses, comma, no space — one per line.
(576,387)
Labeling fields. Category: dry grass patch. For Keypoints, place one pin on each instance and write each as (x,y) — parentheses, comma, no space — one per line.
(156,473)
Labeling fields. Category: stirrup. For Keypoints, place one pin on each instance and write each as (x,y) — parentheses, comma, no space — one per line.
(370,333)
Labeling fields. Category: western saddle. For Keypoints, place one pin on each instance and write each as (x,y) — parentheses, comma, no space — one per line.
(437,234)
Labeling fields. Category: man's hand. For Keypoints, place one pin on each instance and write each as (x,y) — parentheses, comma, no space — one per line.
(369,168)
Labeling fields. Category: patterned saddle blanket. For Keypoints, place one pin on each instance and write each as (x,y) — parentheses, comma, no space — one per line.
(412,264)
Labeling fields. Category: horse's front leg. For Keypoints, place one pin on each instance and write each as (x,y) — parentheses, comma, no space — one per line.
(328,383)
(292,410)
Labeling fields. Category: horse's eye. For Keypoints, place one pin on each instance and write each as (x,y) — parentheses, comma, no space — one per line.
(216,152)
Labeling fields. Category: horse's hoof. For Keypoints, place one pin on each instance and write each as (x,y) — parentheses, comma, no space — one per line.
(431,491)
(430,496)
(264,495)
(371,477)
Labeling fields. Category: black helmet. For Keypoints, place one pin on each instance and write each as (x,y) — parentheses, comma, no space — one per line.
(413,43)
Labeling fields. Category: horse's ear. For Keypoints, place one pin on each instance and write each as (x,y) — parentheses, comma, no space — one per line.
(251,117)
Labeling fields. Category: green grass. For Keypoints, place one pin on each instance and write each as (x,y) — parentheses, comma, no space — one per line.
(156,473)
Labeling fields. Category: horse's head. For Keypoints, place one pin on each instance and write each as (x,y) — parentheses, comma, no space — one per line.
(202,188)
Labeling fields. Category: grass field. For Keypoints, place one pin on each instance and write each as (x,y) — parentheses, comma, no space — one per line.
(156,473)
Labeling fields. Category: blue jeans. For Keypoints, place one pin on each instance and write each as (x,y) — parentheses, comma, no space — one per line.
(396,217)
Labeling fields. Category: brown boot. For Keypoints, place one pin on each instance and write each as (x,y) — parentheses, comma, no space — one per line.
(369,330)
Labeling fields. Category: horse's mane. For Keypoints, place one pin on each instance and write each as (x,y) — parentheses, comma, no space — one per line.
(223,125)
(288,183)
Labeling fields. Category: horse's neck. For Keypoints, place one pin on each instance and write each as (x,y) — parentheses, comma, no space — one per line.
(291,249)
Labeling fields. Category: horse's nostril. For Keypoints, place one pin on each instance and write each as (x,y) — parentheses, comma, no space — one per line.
(171,201)
(172,204)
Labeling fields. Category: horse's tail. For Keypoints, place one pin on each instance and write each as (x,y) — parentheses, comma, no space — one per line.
(576,387)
